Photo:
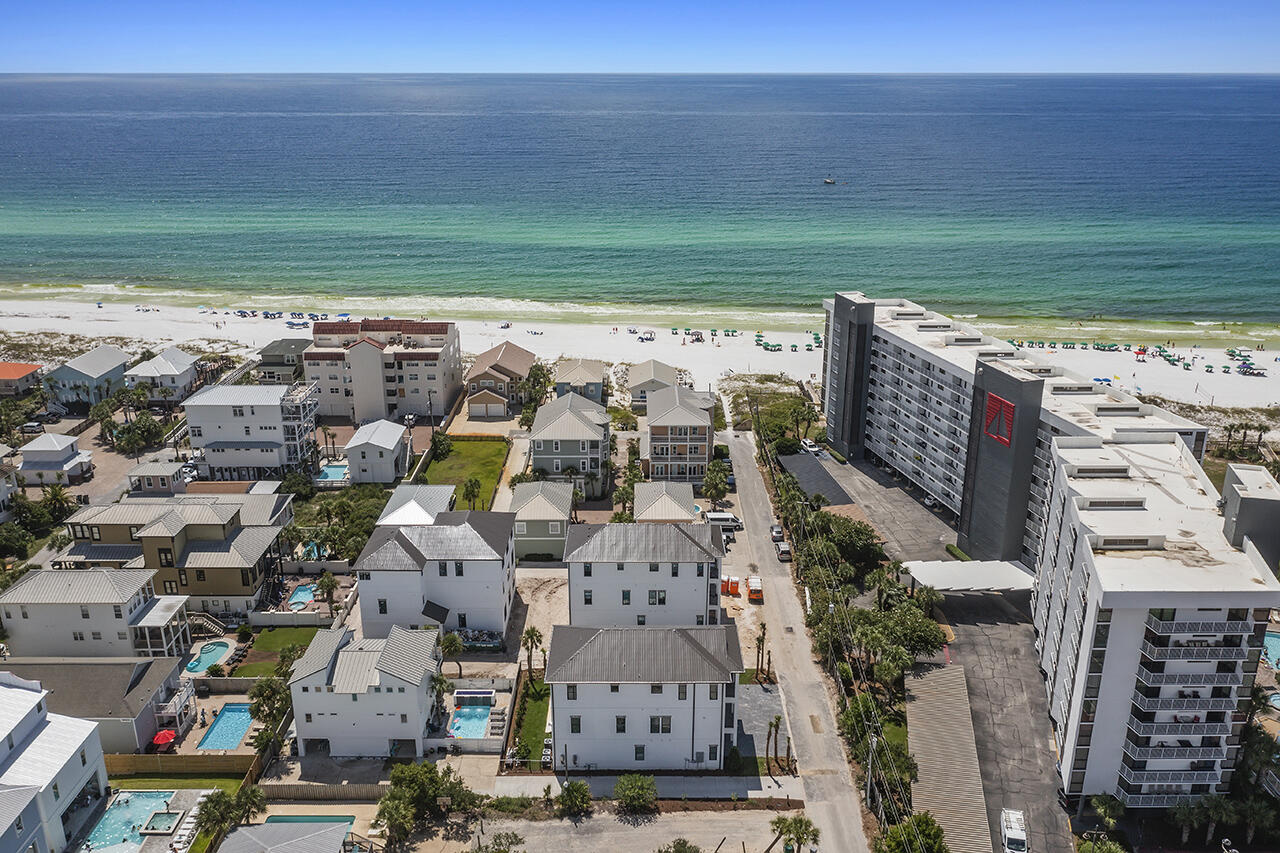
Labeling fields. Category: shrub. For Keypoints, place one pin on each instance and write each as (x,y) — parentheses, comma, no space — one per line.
(441,446)
(636,794)
(244,633)
(299,485)
(14,541)
(680,845)
(574,800)
(786,446)
(215,671)
(957,553)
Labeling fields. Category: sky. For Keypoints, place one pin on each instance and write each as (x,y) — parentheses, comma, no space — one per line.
(557,36)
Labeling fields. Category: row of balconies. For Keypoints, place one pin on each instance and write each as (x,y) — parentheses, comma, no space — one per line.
(1204,678)
(1195,652)
(1169,777)
(1214,627)
(1203,703)
(1174,729)
(1179,753)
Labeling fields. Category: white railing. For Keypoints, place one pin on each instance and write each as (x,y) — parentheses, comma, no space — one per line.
(1204,678)
(1184,703)
(1153,801)
(1194,729)
(1213,627)
(1168,777)
(1188,753)
(1195,652)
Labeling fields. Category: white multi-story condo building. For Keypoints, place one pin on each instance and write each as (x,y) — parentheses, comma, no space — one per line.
(457,572)
(644,574)
(94,613)
(643,698)
(1150,604)
(52,773)
(375,369)
(252,432)
(965,417)
(365,698)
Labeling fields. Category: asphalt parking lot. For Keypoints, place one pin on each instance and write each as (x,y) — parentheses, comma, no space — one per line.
(911,530)
(994,642)
(814,478)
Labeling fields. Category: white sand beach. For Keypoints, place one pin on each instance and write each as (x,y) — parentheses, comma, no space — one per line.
(164,325)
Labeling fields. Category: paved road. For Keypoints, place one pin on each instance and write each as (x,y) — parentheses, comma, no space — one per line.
(912,531)
(829,792)
(994,642)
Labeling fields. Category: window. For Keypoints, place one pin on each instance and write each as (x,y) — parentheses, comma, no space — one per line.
(639,752)
(122,635)
(571,692)
(714,690)
(555,465)
(712,752)
(382,606)
(237,411)
(200,575)
(364,576)
(575,725)
(83,760)
(658,597)
(626,597)
(553,527)
(586,570)
(660,725)
(586,596)
(182,576)
(462,620)
(78,636)
(457,569)
(97,635)
(84,612)
(620,725)
(444,569)
(308,715)
(655,689)
(675,570)
(404,718)
(17,823)
(55,791)
(682,692)
(653,567)
(166,557)
(520,528)
(613,688)
(640,619)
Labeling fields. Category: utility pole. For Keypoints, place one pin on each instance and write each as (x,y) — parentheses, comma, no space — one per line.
(871,763)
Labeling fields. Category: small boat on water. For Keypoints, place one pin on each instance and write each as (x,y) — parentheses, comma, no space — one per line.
(828,181)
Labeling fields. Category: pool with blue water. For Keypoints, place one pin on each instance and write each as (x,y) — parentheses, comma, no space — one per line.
(228,728)
(469,721)
(333,473)
(209,654)
(302,595)
(114,831)
(1271,648)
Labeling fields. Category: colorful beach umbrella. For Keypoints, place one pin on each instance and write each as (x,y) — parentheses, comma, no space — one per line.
(164,736)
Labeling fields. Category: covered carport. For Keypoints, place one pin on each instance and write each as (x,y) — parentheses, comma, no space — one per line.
(970,575)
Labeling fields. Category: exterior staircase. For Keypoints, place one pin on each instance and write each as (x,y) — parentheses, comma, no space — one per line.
(203,625)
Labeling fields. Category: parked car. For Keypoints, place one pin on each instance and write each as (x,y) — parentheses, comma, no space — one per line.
(48,417)
(733,483)
(726,520)
(784,551)
(1013,831)
(32,428)
(930,501)
(808,445)
(776,534)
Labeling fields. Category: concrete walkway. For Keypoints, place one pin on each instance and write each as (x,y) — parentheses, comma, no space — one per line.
(517,461)
(669,787)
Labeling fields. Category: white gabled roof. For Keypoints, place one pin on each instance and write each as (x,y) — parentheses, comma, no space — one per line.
(77,586)
(99,361)
(50,441)
(677,406)
(410,505)
(381,433)
(171,362)
(665,501)
(569,418)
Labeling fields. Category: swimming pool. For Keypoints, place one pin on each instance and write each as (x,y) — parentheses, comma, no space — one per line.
(1271,648)
(209,653)
(311,818)
(162,823)
(333,473)
(302,596)
(228,728)
(114,831)
(470,721)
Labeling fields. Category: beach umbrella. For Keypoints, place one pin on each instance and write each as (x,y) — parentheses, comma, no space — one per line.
(164,736)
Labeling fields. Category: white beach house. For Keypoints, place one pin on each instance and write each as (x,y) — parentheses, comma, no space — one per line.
(378,452)
(365,698)
(52,458)
(173,370)
(643,698)
(252,432)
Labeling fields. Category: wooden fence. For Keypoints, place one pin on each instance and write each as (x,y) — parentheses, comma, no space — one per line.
(305,792)
(127,764)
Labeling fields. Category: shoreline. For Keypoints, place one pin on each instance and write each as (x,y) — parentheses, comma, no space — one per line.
(594,336)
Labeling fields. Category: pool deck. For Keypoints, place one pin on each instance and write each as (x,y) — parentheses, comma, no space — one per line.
(183,800)
(189,744)
(363,812)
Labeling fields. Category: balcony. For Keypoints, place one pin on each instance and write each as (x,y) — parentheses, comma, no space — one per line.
(1201,678)
(1169,777)
(1222,627)
(1186,703)
(1176,753)
(1189,729)
(1154,801)
(1195,652)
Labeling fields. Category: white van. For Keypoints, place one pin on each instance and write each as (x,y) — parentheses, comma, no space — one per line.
(726,520)
(1013,831)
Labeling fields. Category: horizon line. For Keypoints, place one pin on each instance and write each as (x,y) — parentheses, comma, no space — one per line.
(1235,73)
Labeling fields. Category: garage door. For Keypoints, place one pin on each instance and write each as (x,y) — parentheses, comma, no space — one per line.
(477,410)
(497,410)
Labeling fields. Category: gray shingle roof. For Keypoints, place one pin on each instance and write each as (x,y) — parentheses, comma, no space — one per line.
(570,417)
(384,434)
(664,501)
(77,586)
(96,688)
(543,500)
(283,347)
(644,655)
(623,543)
(454,536)
(416,504)
(287,838)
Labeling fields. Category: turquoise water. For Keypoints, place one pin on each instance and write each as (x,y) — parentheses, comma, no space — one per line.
(1271,648)
(302,595)
(209,653)
(333,473)
(114,831)
(470,721)
(1153,197)
(311,818)
(228,728)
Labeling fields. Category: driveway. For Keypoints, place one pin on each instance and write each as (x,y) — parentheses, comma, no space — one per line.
(814,478)
(707,829)
(994,642)
(911,530)
(829,791)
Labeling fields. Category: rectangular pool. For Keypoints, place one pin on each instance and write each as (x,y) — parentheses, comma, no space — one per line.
(1271,649)
(470,721)
(228,728)
(333,473)
(115,831)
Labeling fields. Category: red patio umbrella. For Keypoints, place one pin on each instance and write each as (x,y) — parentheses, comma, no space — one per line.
(164,736)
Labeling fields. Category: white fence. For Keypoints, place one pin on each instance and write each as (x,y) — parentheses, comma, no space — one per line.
(315,567)
(507,684)
(291,619)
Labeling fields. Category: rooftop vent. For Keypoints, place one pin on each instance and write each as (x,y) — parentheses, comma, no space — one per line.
(1115,503)
(1101,471)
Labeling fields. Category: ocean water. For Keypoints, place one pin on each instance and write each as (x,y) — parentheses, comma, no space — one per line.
(1151,197)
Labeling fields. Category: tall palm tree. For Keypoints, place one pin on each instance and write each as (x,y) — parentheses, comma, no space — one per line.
(1217,809)
(576,502)
(327,585)
(1186,816)
(1256,812)
(249,803)
(471,491)
(440,685)
(450,648)
(531,639)
(217,814)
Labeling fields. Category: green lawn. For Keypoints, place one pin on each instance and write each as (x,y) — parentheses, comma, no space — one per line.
(1216,469)
(149,782)
(480,459)
(534,726)
(263,656)
(895,725)
(259,669)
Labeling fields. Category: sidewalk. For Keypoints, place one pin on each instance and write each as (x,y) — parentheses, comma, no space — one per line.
(669,787)
(517,461)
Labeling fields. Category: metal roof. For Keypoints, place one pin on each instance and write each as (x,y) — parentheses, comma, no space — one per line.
(310,837)
(384,434)
(156,468)
(242,549)
(570,417)
(649,371)
(640,655)
(44,753)
(50,441)
(999,575)
(99,361)
(77,586)
(411,505)
(319,654)
(454,536)
(238,395)
(410,655)
(353,666)
(159,611)
(14,799)
(97,688)
(661,542)
(542,500)
(679,406)
(232,444)
(580,371)
(665,501)
(170,362)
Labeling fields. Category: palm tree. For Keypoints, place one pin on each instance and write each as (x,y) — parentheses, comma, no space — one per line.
(249,803)
(625,496)
(1217,809)
(577,499)
(288,656)
(1108,809)
(450,648)
(471,491)
(397,815)
(216,814)
(57,498)
(531,639)
(1186,816)
(440,685)
(927,598)
(328,438)
(796,831)
(1256,812)
(327,585)
(166,393)
(591,479)
(777,736)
